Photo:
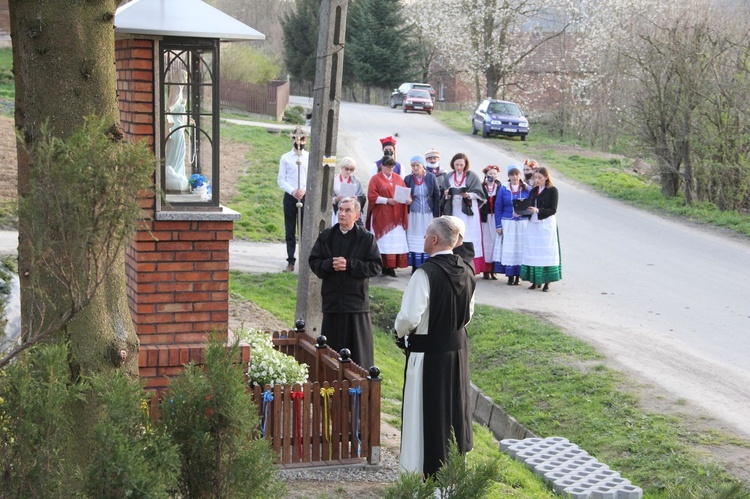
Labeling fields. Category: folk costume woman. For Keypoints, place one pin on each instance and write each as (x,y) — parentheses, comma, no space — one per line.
(348,165)
(529,168)
(425,205)
(463,196)
(490,186)
(510,226)
(388,219)
(541,247)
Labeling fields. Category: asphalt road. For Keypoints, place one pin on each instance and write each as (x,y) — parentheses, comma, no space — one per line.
(664,300)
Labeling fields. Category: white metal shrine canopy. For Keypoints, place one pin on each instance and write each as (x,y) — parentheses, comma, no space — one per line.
(185,18)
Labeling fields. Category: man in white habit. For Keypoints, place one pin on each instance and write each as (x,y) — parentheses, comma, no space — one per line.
(436,307)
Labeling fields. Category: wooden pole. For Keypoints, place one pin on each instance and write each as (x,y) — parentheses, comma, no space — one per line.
(322,160)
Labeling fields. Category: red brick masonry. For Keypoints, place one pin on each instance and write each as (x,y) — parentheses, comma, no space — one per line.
(178,271)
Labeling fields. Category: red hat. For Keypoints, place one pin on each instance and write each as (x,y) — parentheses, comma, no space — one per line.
(388,141)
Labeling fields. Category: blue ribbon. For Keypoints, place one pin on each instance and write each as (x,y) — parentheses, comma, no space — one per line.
(267,397)
(356,393)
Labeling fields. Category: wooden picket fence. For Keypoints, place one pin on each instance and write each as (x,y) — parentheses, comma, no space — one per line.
(332,419)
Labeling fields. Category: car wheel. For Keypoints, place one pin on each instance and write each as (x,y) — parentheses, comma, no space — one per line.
(404,108)
(473,130)
(485,134)
(393,103)
(523,138)
(429,112)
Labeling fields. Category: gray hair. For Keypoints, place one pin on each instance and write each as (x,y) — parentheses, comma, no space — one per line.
(354,201)
(445,230)
(347,161)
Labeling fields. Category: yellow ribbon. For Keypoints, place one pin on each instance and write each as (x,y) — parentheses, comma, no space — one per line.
(327,393)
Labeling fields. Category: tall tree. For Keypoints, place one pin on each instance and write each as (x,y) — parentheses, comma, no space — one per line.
(63,59)
(300,28)
(492,38)
(675,65)
(379,45)
(422,15)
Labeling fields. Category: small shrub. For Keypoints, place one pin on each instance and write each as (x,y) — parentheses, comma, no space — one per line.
(269,366)
(245,63)
(294,115)
(455,480)
(213,420)
(36,424)
(131,458)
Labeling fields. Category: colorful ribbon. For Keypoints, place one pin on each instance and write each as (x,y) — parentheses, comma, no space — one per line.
(297,397)
(356,394)
(327,393)
(267,398)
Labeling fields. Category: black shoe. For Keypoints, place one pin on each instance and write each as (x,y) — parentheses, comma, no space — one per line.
(546,287)
(493,276)
(510,281)
(517,281)
(389,272)
(533,286)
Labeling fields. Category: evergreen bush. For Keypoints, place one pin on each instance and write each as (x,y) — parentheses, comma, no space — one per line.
(132,458)
(210,415)
(455,480)
(294,115)
(38,416)
(36,423)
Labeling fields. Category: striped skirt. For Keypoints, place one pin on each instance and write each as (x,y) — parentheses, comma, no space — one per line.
(540,262)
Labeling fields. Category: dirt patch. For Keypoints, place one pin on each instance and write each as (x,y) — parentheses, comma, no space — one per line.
(245,315)
(8,160)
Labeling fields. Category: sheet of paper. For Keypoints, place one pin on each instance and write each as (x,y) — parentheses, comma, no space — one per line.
(348,190)
(402,194)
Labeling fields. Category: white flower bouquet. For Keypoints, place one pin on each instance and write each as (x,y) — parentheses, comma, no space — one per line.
(269,366)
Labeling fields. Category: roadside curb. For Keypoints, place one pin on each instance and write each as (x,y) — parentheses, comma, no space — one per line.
(500,423)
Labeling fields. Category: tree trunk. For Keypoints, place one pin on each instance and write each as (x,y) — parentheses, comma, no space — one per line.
(491,80)
(63,59)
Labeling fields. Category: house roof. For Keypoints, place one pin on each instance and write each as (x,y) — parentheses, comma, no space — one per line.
(189,18)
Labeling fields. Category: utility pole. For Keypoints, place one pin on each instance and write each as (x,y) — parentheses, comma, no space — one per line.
(322,160)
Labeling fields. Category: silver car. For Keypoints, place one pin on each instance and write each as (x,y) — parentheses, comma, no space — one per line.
(499,117)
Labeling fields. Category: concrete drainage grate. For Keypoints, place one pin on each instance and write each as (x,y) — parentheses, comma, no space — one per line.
(570,470)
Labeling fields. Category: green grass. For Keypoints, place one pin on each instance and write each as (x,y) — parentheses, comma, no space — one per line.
(259,199)
(613,177)
(7,82)
(551,383)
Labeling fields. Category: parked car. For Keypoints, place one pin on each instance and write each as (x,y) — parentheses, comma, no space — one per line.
(499,117)
(397,97)
(418,100)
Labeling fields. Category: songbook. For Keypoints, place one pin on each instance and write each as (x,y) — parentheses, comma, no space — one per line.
(402,194)
(348,190)
(521,206)
(457,191)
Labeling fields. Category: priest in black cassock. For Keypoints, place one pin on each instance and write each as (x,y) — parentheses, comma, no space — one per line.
(345,256)
(436,306)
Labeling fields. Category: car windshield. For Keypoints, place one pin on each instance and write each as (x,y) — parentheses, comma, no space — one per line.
(504,108)
(422,94)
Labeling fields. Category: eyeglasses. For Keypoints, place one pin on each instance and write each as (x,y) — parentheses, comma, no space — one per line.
(348,169)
